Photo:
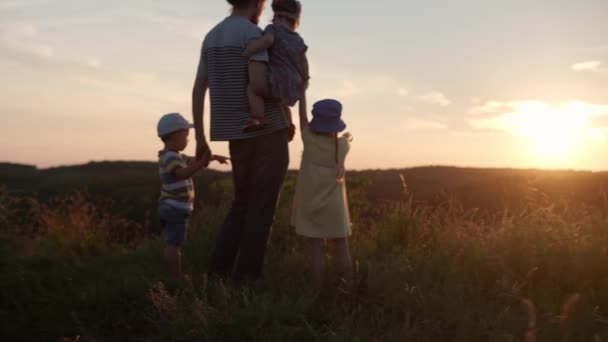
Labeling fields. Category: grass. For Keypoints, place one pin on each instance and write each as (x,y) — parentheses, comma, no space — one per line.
(73,270)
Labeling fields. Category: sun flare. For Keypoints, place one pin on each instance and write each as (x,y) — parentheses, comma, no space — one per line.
(555,133)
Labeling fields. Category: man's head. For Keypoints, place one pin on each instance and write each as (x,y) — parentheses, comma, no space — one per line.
(251,8)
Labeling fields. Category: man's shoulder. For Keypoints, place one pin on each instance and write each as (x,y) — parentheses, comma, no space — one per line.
(232,27)
(242,23)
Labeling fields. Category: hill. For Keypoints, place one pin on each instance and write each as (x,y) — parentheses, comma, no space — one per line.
(489,189)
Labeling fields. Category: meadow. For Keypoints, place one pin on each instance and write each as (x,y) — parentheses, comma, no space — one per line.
(441,254)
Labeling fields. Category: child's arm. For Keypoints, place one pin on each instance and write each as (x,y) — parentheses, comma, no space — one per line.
(303,114)
(306,75)
(259,45)
(187,172)
(348,136)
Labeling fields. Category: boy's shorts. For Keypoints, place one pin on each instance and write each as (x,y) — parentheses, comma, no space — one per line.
(174,222)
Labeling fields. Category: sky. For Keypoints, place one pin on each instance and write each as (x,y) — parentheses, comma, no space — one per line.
(482,83)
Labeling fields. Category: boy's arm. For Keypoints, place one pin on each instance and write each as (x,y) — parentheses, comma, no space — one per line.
(182,173)
(259,45)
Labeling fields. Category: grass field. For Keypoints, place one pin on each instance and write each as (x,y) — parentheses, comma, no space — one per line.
(442,268)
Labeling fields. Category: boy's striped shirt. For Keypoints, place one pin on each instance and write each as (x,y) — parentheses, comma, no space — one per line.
(226,69)
(176,193)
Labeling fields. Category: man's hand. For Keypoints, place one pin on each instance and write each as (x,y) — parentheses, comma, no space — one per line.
(220,159)
(203,152)
(291,131)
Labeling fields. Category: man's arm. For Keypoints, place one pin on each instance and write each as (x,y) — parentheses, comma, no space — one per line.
(199,91)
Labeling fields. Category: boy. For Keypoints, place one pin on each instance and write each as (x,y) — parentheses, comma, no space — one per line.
(177,191)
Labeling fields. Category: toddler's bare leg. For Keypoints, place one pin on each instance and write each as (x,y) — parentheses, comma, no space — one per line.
(173,262)
(317,253)
(287,111)
(256,105)
(256,102)
(343,260)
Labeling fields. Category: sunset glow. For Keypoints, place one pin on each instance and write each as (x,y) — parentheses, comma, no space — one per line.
(471,83)
(554,132)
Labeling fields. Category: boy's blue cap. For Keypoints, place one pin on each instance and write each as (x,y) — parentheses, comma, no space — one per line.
(326,117)
(172,122)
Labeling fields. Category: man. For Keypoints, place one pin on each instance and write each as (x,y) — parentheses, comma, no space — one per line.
(259,159)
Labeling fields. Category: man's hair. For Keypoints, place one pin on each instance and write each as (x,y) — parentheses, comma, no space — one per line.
(240,3)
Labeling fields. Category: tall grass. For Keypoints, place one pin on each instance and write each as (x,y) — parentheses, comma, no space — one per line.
(423,273)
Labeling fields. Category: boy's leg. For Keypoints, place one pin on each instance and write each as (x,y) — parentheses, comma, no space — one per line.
(343,260)
(175,223)
(317,262)
(173,261)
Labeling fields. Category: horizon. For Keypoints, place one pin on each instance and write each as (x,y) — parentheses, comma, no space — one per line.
(227,169)
(473,84)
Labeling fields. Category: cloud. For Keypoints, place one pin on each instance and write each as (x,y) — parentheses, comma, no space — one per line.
(94,63)
(18,43)
(435,97)
(348,88)
(193,28)
(593,66)
(488,107)
(18,40)
(402,92)
(329,81)
(416,124)
(7,5)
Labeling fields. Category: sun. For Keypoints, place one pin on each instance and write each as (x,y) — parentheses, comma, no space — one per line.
(554,133)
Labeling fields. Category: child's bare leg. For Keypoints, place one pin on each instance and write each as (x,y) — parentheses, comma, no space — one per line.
(291,128)
(173,261)
(256,102)
(256,105)
(343,260)
(317,252)
(287,111)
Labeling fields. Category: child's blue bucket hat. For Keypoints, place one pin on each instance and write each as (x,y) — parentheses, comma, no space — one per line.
(326,117)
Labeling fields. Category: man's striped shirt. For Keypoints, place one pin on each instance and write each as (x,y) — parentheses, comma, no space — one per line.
(174,192)
(223,64)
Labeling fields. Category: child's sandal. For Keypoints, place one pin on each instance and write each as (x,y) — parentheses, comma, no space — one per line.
(254,124)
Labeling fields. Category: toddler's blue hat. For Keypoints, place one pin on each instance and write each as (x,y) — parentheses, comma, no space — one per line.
(326,117)
(172,122)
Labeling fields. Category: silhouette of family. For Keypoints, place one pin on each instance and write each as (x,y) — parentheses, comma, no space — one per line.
(254,77)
